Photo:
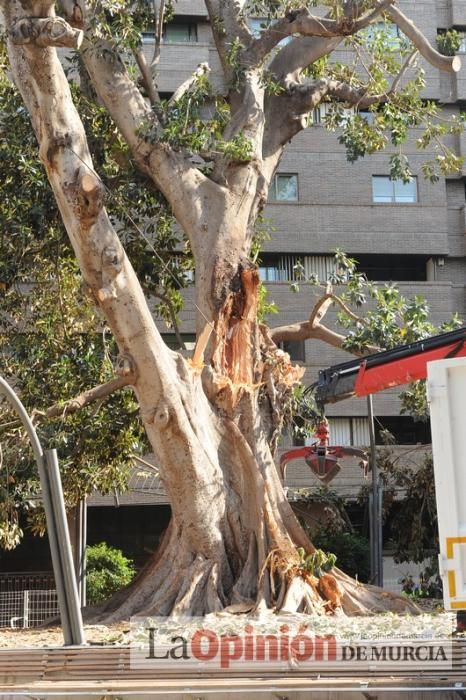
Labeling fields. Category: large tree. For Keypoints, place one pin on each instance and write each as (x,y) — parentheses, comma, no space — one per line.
(213,419)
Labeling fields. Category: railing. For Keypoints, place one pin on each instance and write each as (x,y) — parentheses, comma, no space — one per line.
(23,581)
(27,608)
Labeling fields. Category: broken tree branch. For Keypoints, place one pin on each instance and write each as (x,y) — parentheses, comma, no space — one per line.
(323,305)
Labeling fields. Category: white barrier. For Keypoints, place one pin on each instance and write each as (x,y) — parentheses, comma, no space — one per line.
(447,397)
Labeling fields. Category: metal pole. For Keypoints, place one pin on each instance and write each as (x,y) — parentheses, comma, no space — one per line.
(25,608)
(380,531)
(69,578)
(78,533)
(376,515)
(371,538)
(54,542)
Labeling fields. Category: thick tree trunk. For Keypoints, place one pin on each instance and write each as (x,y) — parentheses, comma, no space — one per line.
(232,542)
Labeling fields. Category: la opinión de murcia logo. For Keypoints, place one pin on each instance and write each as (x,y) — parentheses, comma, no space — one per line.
(287,645)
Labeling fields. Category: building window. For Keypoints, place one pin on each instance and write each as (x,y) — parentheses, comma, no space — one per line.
(404,429)
(284,188)
(368,116)
(354,431)
(171,341)
(295,349)
(319,113)
(180,32)
(270,272)
(389,32)
(385,190)
(295,267)
(462,46)
(393,268)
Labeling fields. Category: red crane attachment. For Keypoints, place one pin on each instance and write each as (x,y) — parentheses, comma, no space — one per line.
(321,457)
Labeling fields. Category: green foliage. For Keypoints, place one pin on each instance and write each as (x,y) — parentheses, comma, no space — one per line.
(239,149)
(270,85)
(317,563)
(449,42)
(107,570)
(265,306)
(413,520)
(378,58)
(233,59)
(351,550)
(429,586)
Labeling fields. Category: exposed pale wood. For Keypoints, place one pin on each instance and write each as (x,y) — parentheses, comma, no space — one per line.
(201,345)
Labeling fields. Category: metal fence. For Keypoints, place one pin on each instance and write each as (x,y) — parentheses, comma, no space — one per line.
(26,581)
(27,608)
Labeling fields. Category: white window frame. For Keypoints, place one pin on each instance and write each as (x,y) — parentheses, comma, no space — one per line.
(394,198)
(273,189)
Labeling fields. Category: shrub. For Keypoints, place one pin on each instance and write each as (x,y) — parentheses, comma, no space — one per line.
(449,42)
(352,551)
(107,570)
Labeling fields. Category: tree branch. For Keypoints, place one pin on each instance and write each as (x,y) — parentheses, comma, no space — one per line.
(301,98)
(146,75)
(305,331)
(178,179)
(159,15)
(451,64)
(49,31)
(102,391)
(202,69)
(227,27)
(313,328)
(354,96)
(304,23)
